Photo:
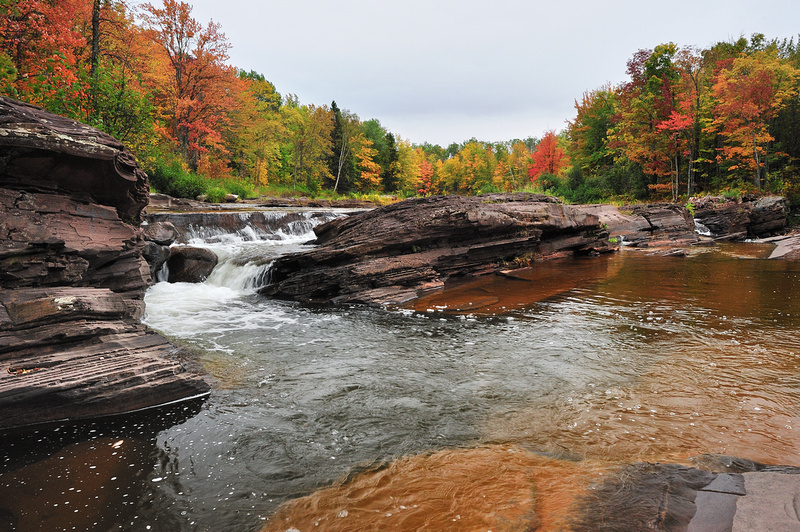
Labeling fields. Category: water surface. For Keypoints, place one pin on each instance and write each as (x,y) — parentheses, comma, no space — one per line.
(504,389)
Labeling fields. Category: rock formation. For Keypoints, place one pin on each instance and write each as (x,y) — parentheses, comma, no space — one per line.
(728,219)
(394,253)
(653,225)
(73,277)
(188,264)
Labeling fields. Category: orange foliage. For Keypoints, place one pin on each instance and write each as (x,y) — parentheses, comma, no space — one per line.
(199,92)
(547,158)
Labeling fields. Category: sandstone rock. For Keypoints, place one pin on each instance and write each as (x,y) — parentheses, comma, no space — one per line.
(43,152)
(162,233)
(660,224)
(727,219)
(188,264)
(769,215)
(393,253)
(73,277)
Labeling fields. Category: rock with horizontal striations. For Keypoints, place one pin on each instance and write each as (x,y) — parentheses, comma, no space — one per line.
(729,219)
(188,264)
(394,253)
(654,225)
(44,152)
(769,215)
(73,278)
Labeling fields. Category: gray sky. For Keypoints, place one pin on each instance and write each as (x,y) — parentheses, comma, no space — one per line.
(445,71)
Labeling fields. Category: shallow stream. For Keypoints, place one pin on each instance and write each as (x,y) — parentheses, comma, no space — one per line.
(574,365)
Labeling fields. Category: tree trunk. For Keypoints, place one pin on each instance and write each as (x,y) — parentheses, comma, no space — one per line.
(343,152)
(95,38)
(757,176)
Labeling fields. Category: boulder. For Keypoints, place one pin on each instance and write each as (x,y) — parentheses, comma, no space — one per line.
(393,254)
(161,233)
(73,277)
(188,264)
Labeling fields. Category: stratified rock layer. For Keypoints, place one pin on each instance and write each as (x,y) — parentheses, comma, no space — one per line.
(73,278)
(652,225)
(728,219)
(392,254)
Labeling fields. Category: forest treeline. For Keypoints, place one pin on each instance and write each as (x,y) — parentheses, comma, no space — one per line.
(687,121)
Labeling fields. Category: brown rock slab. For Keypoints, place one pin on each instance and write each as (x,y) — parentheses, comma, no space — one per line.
(772,503)
(652,225)
(45,152)
(393,254)
(730,219)
(73,278)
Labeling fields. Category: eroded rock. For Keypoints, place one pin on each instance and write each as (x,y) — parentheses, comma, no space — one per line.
(392,254)
(188,264)
(73,277)
(653,225)
(729,219)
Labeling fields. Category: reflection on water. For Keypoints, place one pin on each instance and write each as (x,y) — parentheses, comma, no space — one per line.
(506,396)
(488,488)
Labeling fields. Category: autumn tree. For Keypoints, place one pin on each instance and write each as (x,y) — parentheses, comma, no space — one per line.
(198,93)
(748,95)
(548,158)
(424,185)
(39,44)
(309,136)
(257,130)
(369,171)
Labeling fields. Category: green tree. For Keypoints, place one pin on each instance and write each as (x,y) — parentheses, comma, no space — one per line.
(390,166)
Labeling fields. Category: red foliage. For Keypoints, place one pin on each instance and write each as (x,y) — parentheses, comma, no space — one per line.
(547,158)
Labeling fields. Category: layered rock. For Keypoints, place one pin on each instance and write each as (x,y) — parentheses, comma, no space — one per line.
(73,277)
(728,219)
(395,253)
(653,225)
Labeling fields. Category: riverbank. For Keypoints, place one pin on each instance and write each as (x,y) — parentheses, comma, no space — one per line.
(73,278)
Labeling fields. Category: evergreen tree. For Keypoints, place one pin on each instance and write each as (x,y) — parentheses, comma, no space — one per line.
(389,163)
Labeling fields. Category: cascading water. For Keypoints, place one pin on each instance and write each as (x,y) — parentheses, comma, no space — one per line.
(701,229)
(245,242)
(457,416)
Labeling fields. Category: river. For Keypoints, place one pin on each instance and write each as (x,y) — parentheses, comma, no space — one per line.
(449,413)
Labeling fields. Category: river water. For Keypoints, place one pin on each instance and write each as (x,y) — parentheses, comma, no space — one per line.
(489,406)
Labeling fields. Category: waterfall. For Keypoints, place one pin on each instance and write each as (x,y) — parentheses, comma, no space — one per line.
(245,242)
(701,229)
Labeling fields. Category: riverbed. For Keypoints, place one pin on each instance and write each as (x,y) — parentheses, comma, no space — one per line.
(499,385)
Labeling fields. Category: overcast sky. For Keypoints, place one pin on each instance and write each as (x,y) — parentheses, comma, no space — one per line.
(445,71)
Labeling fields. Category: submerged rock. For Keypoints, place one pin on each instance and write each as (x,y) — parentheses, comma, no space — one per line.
(395,253)
(724,493)
(73,277)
